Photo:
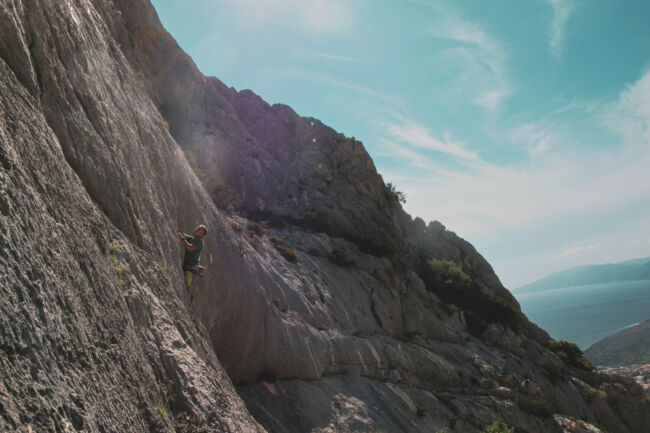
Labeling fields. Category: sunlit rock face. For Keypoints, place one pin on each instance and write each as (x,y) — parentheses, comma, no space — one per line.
(327,306)
(94,334)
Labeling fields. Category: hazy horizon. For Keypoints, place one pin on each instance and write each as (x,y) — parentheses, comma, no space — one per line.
(642,259)
(524,128)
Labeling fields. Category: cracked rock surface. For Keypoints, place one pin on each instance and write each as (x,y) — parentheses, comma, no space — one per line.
(320,303)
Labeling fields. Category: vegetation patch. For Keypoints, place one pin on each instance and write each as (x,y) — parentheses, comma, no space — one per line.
(498,426)
(570,354)
(592,394)
(140,77)
(162,410)
(287,252)
(235,226)
(453,285)
(117,265)
(184,424)
(393,196)
(254,234)
(221,193)
(449,308)
(256,228)
(448,274)
(162,268)
(254,241)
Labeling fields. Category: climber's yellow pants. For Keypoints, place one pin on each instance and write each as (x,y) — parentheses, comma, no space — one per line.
(189,276)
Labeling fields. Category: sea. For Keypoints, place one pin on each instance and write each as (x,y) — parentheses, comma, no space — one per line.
(586,314)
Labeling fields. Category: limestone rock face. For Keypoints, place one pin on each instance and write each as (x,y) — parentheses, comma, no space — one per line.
(94,335)
(318,303)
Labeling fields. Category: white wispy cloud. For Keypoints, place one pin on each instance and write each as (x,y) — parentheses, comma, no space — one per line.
(479,57)
(325,16)
(490,99)
(629,115)
(398,151)
(336,57)
(471,36)
(418,136)
(492,200)
(571,251)
(537,138)
(342,84)
(333,81)
(561,182)
(561,11)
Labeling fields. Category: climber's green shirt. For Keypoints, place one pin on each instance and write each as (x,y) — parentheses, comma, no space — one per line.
(192,258)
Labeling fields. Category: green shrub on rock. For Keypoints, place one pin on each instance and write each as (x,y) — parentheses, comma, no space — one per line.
(393,195)
(498,427)
(570,354)
(454,285)
(448,273)
(591,394)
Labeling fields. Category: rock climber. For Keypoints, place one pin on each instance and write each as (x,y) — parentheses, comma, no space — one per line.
(193,245)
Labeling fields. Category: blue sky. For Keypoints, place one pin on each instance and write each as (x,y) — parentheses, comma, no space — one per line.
(522,126)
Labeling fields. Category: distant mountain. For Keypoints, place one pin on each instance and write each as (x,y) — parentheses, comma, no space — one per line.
(636,269)
(627,347)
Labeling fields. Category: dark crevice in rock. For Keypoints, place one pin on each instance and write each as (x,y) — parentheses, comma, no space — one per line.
(318,226)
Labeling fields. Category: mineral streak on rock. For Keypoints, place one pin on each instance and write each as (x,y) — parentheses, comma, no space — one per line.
(329,308)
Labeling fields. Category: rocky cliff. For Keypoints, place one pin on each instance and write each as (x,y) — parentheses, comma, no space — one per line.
(327,306)
(627,347)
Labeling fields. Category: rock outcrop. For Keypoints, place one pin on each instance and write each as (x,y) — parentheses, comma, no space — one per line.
(329,307)
(627,347)
(94,333)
